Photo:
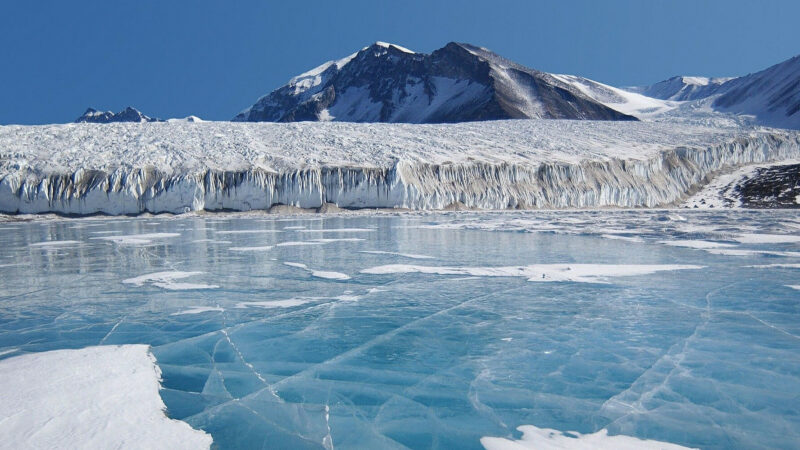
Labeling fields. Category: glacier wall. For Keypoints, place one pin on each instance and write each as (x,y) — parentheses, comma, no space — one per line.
(660,180)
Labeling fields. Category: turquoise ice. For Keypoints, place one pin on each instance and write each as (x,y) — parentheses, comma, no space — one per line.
(391,331)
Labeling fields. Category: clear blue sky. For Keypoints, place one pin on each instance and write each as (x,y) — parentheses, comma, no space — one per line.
(172,58)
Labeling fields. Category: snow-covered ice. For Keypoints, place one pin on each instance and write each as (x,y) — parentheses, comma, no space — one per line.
(535,438)
(166,280)
(577,273)
(92,398)
(199,310)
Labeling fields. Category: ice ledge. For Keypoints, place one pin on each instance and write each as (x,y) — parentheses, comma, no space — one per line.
(662,179)
(95,397)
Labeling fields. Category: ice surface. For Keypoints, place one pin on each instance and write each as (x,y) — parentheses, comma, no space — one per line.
(278,358)
(92,398)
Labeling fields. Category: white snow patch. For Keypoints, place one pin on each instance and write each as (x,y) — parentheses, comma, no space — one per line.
(698,244)
(262,248)
(297,243)
(166,280)
(622,238)
(55,244)
(137,239)
(549,439)
(92,398)
(198,310)
(578,273)
(275,303)
(745,252)
(338,230)
(775,266)
(404,255)
(249,232)
(766,238)
(320,273)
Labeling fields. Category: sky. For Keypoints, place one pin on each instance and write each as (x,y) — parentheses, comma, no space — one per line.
(173,58)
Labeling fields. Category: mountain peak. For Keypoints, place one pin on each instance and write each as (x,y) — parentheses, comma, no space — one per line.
(387,45)
(457,83)
(129,114)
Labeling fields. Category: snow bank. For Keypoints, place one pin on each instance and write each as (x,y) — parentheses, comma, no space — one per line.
(92,398)
(178,167)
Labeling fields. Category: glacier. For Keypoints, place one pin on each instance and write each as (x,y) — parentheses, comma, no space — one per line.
(177,167)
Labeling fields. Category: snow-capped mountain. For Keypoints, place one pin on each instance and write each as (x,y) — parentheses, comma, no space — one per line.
(457,83)
(772,95)
(128,114)
(683,88)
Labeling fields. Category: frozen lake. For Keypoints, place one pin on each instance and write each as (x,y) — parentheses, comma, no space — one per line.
(384,331)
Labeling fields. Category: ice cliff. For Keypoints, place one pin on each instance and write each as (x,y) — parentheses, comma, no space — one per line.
(180,167)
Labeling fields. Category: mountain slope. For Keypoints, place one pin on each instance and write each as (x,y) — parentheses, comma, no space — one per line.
(128,114)
(457,83)
(772,95)
(626,102)
(683,88)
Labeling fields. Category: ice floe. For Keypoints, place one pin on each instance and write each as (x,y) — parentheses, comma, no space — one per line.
(95,397)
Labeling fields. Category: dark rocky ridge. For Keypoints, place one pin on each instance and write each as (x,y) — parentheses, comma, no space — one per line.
(771,187)
(457,83)
(128,114)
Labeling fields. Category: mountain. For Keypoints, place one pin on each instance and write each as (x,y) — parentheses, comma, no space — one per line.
(772,95)
(683,88)
(128,114)
(631,103)
(456,83)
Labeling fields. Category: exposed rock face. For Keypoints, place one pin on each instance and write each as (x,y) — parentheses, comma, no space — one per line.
(457,83)
(771,187)
(128,114)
